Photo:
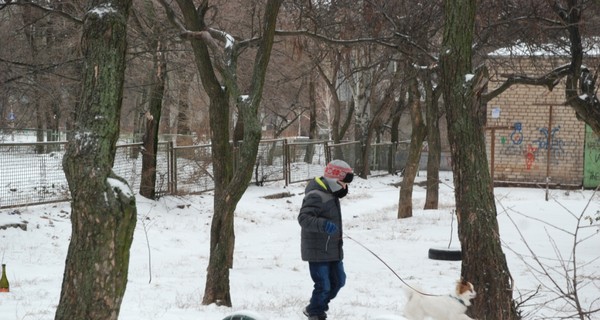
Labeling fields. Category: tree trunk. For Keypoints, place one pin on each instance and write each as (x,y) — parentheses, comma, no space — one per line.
(184,131)
(34,37)
(484,263)
(434,144)
(148,181)
(229,185)
(580,88)
(361,85)
(312,118)
(103,210)
(395,128)
(414,154)
(40,125)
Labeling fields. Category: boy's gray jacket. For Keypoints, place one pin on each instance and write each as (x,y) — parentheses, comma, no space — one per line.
(319,206)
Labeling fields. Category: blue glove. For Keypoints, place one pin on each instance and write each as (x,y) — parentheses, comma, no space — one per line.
(330,227)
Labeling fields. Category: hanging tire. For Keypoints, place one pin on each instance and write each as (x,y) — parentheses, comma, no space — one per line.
(244,315)
(448,254)
(238,317)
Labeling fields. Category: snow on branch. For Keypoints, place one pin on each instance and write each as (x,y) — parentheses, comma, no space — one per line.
(102,10)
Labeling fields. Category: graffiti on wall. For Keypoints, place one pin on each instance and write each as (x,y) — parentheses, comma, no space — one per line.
(518,145)
(517,135)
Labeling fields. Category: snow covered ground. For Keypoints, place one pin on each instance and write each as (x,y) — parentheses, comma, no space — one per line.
(170,253)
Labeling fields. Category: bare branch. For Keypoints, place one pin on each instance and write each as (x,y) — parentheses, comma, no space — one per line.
(7,2)
(358,41)
(43,8)
(549,80)
(173,17)
(325,39)
(38,68)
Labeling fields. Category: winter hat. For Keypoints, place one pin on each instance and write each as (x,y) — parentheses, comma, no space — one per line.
(338,170)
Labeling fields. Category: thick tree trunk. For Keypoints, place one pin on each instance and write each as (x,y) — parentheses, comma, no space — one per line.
(150,144)
(414,154)
(103,211)
(148,181)
(484,263)
(434,145)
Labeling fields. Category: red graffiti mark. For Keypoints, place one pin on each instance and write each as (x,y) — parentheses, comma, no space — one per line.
(530,156)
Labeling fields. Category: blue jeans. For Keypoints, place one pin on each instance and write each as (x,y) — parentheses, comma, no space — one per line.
(329,278)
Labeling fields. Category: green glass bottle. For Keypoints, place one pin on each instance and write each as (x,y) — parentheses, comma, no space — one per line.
(4,286)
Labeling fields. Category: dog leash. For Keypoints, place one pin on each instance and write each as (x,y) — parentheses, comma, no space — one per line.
(390,268)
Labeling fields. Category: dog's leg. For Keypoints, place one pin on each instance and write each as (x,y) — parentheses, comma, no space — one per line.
(412,312)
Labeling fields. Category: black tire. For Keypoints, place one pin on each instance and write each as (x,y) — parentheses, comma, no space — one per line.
(238,317)
(445,254)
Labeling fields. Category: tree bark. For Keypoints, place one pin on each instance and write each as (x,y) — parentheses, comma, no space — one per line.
(103,210)
(433,143)
(484,263)
(414,153)
(148,181)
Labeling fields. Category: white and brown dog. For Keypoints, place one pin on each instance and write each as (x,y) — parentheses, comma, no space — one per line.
(448,307)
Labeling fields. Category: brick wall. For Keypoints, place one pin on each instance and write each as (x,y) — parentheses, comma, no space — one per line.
(545,139)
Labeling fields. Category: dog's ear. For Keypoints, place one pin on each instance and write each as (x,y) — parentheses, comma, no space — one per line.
(463,286)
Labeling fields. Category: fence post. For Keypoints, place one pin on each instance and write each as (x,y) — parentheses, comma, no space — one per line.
(172,167)
(286,162)
(392,158)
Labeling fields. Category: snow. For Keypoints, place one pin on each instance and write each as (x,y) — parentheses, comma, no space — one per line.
(590,48)
(170,251)
(121,186)
(230,41)
(102,10)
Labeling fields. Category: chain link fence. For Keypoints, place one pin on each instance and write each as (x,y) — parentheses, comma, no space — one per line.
(32,173)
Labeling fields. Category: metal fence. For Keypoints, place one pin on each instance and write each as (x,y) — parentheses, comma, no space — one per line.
(32,173)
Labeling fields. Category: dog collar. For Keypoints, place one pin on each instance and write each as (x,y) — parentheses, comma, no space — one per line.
(459,300)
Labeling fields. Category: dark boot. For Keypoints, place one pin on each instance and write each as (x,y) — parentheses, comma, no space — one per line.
(321,317)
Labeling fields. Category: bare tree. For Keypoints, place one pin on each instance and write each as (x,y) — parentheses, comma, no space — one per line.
(146,23)
(218,73)
(39,71)
(103,208)
(434,143)
(414,154)
(483,261)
